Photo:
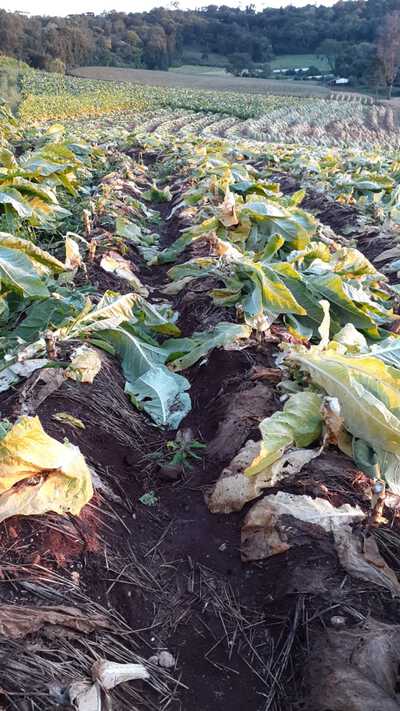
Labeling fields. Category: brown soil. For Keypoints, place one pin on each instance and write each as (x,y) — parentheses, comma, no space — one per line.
(171,573)
(338,217)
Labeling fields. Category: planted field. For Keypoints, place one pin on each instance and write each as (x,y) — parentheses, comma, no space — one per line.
(198,69)
(203,81)
(199,398)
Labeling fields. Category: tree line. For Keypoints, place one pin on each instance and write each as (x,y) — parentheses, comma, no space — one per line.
(347,33)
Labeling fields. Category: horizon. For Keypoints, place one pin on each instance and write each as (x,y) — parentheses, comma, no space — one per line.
(77,7)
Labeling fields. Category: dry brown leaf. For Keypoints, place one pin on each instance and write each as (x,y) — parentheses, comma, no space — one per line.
(85,364)
(16,622)
(227,211)
(361,559)
(234,488)
(282,521)
(354,669)
(273,375)
(333,420)
(73,258)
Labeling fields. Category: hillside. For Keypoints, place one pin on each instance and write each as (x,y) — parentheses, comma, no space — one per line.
(213,35)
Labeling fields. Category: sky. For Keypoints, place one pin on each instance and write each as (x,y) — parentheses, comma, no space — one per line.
(67,7)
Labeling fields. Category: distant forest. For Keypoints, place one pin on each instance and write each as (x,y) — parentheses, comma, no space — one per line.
(161,38)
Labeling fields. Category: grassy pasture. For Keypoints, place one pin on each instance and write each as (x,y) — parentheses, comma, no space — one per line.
(294,61)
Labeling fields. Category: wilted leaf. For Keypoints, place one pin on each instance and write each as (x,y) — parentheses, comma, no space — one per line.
(68,419)
(14,373)
(17,621)
(110,674)
(267,531)
(151,385)
(361,559)
(202,342)
(73,259)
(234,489)
(18,274)
(299,423)
(110,312)
(162,394)
(63,482)
(113,263)
(85,364)
(39,256)
(367,389)
(14,199)
(227,211)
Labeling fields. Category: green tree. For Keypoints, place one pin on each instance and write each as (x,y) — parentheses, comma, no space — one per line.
(136,48)
(239,63)
(330,49)
(357,61)
(55,65)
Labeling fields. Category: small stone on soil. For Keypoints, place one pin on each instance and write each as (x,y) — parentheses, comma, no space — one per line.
(170,472)
(163,659)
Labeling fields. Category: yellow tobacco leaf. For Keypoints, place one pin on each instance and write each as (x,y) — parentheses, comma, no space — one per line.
(60,480)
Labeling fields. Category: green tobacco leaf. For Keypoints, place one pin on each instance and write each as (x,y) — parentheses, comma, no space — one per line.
(250,186)
(158,319)
(194,268)
(162,395)
(331,287)
(202,342)
(150,384)
(298,287)
(292,224)
(262,209)
(146,244)
(17,273)
(187,237)
(299,423)
(365,457)
(378,463)
(136,354)
(268,290)
(271,248)
(157,195)
(132,232)
(48,313)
